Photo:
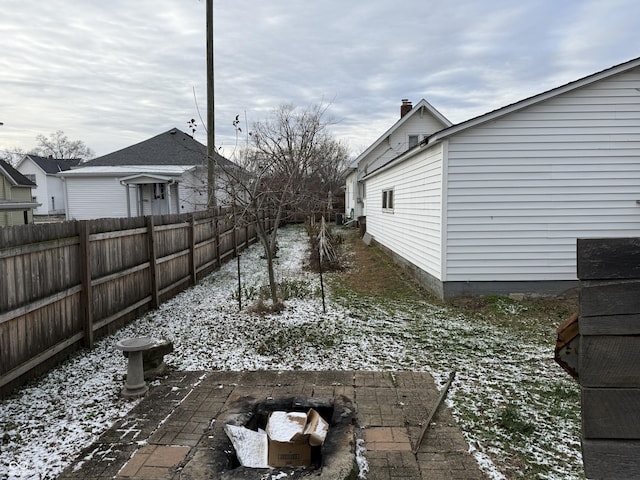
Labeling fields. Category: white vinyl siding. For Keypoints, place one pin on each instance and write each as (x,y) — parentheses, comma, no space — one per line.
(522,189)
(351,195)
(420,124)
(55,195)
(29,168)
(97,197)
(49,190)
(192,191)
(413,230)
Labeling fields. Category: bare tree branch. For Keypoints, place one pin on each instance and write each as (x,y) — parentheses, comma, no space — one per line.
(58,145)
(289,168)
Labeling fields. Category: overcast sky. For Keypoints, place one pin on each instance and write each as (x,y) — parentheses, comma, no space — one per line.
(113,73)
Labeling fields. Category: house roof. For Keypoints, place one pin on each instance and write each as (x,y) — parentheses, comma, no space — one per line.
(14,176)
(514,107)
(54,165)
(416,108)
(172,147)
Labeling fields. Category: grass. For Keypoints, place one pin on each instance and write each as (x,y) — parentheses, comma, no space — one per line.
(513,403)
(512,421)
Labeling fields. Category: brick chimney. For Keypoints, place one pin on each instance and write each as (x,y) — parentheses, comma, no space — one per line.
(405,107)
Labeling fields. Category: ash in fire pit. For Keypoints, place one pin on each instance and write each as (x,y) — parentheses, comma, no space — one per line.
(334,459)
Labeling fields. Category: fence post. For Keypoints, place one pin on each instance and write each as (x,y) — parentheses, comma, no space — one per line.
(192,251)
(216,233)
(86,309)
(153,279)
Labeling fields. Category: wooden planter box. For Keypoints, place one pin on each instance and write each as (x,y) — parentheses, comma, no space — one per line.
(609,356)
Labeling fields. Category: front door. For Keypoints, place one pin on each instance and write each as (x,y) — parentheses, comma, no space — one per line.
(160,199)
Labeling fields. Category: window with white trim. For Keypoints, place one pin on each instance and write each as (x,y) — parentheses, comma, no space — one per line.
(387,199)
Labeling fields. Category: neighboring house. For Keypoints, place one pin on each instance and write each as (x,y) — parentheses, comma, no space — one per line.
(166,174)
(495,204)
(49,190)
(415,124)
(16,204)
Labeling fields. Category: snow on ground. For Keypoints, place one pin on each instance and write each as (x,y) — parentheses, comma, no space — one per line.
(508,394)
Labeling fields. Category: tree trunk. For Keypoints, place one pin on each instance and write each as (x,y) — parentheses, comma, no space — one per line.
(268,241)
(272,280)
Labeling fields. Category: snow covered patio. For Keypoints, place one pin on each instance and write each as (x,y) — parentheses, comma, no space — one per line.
(178,429)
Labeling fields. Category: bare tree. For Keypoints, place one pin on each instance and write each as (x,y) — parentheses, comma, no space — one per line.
(58,145)
(291,164)
(12,156)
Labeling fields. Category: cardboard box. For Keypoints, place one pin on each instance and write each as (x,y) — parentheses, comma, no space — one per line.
(289,454)
(291,435)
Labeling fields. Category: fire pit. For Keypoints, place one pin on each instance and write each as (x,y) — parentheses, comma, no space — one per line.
(333,460)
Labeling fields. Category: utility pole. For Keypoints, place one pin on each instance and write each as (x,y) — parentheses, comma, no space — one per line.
(211,144)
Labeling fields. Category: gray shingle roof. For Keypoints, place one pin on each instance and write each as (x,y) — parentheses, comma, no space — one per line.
(14,176)
(172,147)
(54,165)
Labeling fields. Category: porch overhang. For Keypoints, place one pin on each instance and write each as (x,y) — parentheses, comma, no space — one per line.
(9,205)
(146,179)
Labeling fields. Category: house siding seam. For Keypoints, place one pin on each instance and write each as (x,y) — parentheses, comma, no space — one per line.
(416,212)
(522,189)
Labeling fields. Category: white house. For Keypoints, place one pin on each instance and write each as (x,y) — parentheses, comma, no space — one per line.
(166,174)
(414,125)
(49,190)
(495,204)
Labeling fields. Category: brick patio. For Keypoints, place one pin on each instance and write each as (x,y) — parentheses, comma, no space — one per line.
(168,434)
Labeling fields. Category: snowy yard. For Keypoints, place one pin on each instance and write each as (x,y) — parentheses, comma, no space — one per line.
(518,410)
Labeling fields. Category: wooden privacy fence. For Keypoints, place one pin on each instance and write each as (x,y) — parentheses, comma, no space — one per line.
(64,284)
(609,356)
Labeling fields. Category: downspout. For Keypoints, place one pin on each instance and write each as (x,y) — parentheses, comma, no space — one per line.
(128,201)
(140,201)
(66,198)
(169,195)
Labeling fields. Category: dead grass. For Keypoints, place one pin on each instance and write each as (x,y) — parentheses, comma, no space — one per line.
(372,272)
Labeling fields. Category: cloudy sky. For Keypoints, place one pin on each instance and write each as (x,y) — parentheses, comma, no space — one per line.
(113,73)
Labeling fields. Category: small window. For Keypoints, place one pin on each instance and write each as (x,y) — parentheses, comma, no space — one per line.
(414,140)
(387,199)
(31,176)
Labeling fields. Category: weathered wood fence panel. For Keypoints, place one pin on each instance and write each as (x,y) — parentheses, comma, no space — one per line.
(63,284)
(609,356)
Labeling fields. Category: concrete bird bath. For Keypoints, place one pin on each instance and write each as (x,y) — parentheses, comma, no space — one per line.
(135,385)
